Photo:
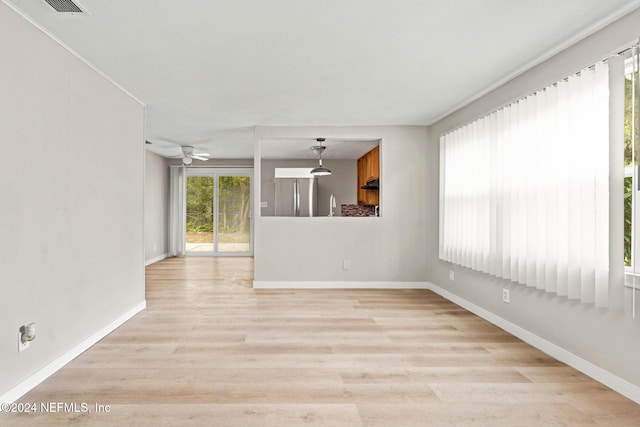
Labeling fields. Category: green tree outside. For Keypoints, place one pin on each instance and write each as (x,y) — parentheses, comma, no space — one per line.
(630,122)
(199,203)
(234,193)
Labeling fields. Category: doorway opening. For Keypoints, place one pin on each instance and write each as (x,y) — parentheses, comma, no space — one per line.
(218,207)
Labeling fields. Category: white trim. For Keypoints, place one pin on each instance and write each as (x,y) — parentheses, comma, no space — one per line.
(260,284)
(156,259)
(68,48)
(203,254)
(628,279)
(603,376)
(25,386)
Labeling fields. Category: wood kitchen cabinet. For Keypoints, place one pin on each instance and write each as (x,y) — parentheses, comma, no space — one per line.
(368,170)
(373,164)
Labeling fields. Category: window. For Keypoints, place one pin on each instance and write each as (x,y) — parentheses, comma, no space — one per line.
(630,124)
(524,191)
(628,215)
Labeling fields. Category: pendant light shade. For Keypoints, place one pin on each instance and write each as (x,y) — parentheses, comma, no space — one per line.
(320,170)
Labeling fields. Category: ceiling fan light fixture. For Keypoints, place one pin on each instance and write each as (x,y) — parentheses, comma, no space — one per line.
(187,160)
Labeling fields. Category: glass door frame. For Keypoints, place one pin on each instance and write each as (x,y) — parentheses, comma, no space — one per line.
(216,173)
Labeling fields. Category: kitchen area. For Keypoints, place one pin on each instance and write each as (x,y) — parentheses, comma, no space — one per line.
(320,178)
(339,251)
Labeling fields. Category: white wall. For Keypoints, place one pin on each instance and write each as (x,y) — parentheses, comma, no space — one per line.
(342,183)
(389,248)
(606,338)
(156,207)
(71,200)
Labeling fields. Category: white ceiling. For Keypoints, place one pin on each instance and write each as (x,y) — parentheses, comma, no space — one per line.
(210,70)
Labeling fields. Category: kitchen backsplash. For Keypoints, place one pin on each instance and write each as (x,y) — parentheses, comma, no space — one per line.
(358,210)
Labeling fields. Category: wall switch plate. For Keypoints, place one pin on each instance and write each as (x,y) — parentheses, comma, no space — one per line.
(505,295)
(22,346)
(451,275)
(346,264)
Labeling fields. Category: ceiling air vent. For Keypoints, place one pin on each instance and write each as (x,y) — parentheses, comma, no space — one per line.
(65,6)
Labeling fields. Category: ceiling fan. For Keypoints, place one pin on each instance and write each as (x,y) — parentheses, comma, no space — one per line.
(189,153)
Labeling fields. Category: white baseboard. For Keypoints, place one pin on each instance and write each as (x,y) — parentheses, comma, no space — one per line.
(258,284)
(25,386)
(603,376)
(156,259)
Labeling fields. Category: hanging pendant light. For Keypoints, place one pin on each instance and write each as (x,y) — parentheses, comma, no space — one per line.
(320,170)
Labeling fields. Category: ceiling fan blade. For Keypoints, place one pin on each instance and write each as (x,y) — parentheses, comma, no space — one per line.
(200,157)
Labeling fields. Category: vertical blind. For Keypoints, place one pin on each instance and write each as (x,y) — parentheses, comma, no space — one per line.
(524,191)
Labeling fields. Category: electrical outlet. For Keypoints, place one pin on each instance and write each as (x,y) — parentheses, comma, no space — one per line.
(505,295)
(264,204)
(451,276)
(346,264)
(22,346)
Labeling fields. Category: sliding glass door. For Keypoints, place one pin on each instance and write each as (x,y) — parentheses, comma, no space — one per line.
(218,212)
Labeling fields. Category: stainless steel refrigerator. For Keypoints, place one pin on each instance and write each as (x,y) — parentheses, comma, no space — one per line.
(296,192)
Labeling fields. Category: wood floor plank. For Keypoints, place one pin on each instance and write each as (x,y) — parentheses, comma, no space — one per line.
(480,415)
(210,350)
(523,392)
(433,375)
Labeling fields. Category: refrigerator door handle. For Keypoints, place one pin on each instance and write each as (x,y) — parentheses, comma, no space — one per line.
(296,198)
(312,183)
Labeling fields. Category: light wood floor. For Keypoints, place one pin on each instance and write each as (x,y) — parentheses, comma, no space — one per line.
(209,350)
